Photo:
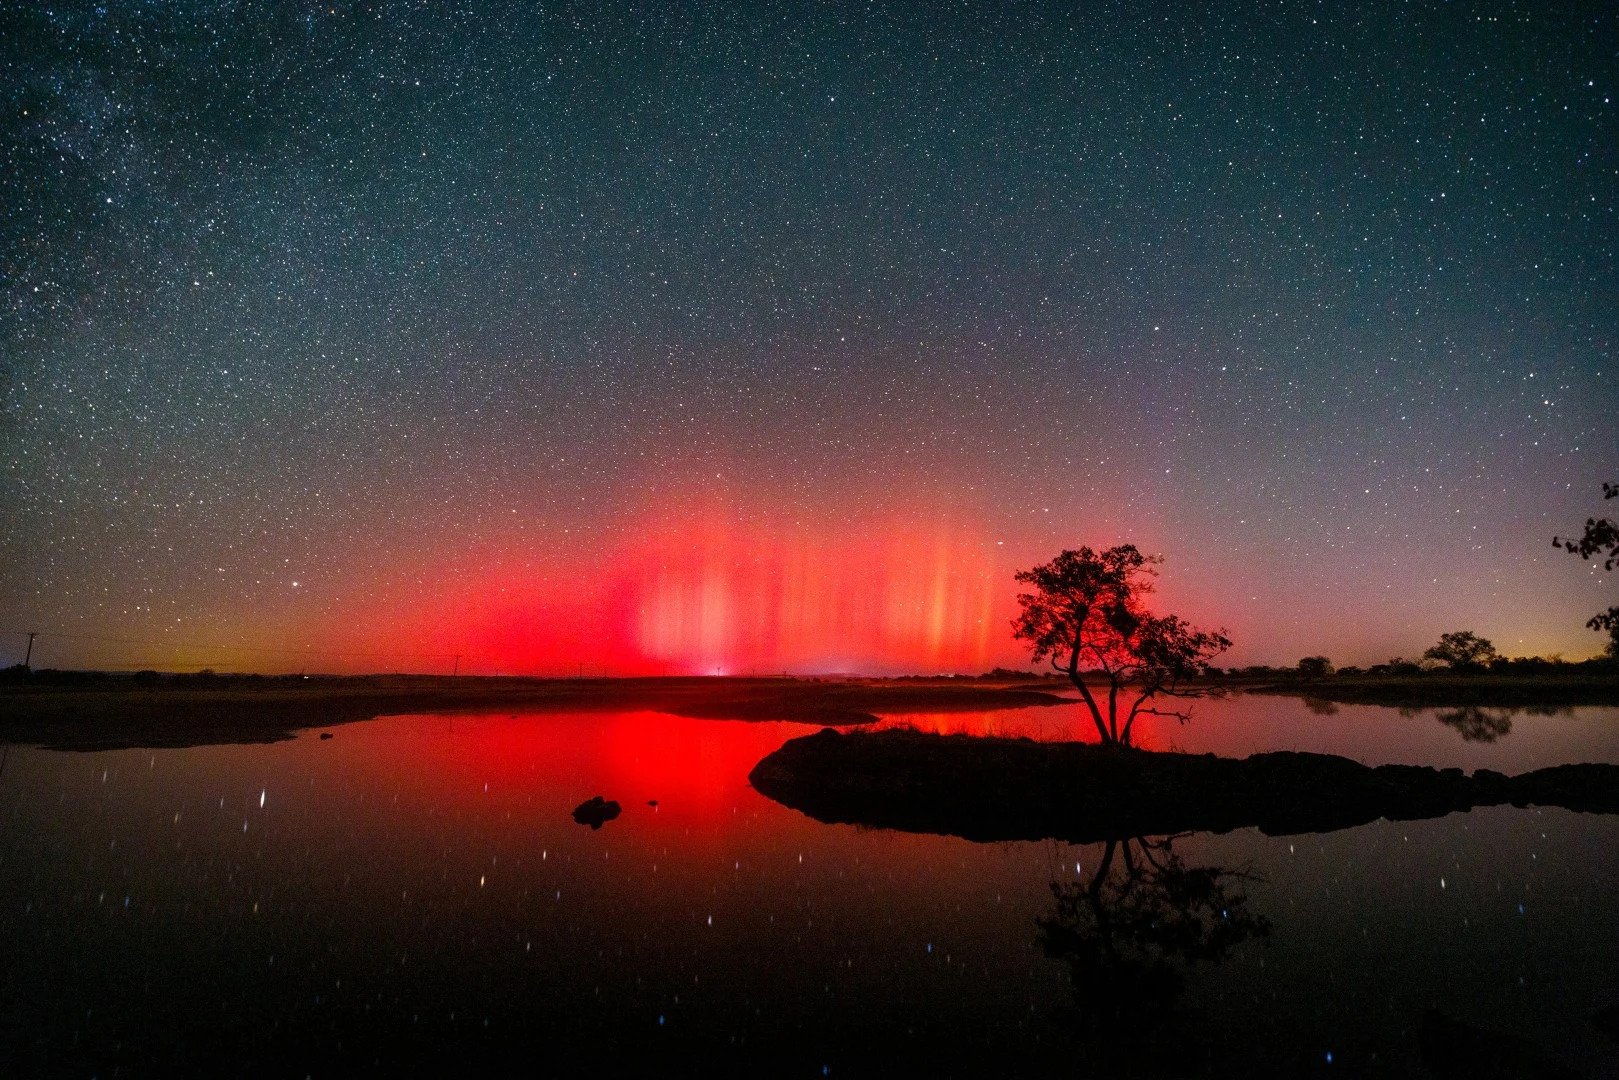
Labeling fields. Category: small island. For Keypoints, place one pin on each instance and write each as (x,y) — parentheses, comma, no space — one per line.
(1085,614)
(988,789)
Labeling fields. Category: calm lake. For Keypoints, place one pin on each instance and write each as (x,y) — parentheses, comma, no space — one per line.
(412,895)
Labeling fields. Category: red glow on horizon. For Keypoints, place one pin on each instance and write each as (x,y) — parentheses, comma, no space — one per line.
(708,596)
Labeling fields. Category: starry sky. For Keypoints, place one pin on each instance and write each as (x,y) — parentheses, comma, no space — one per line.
(689,338)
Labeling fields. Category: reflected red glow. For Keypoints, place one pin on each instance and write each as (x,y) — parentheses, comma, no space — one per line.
(1042,725)
(696,770)
(1061,724)
(543,764)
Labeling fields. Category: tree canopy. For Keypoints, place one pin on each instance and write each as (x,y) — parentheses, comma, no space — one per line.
(1600,540)
(1315,667)
(1462,650)
(1086,611)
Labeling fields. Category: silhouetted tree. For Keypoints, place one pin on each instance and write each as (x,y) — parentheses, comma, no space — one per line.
(1600,540)
(1315,667)
(1462,650)
(1087,610)
(1143,916)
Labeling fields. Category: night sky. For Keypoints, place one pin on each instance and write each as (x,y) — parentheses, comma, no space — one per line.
(744,337)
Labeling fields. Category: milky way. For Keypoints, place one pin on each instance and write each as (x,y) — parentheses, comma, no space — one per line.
(549,336)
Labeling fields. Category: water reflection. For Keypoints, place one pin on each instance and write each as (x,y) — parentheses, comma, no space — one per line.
(1476,724)
(413,896)
(1130,930)
(1486,724)
(1237,724)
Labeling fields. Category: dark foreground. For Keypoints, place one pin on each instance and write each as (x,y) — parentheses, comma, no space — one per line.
(425,896)
(103,715)
(1013,789)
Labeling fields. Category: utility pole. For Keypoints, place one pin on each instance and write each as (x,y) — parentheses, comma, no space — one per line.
(29,655)
(457,669)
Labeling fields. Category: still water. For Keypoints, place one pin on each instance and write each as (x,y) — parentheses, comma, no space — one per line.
(412,896)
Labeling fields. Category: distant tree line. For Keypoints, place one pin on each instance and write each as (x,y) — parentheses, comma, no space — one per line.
(1459,652)
(206,679)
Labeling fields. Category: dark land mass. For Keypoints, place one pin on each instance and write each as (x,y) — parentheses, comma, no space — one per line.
(116,712)
(1448,690)
(1014,789)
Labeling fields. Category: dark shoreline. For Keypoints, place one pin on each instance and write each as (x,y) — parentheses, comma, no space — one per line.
(1448,691)
(97,717)
(991,789)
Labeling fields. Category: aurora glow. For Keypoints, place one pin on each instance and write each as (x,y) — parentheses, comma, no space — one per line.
(755,338)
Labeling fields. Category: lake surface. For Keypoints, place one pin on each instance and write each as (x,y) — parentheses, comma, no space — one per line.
(413,896)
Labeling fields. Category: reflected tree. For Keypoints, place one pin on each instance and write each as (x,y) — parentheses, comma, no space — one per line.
(1131,930)
(1476,724)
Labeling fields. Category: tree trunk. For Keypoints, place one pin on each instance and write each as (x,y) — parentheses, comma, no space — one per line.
(1135,710)
(1085,691)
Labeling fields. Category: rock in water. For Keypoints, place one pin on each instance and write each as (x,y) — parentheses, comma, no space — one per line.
(596,811)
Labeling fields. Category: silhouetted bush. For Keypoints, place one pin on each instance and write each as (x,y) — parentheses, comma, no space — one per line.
(58,677)
(1462,650)
(1315,667)
(1012,673)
